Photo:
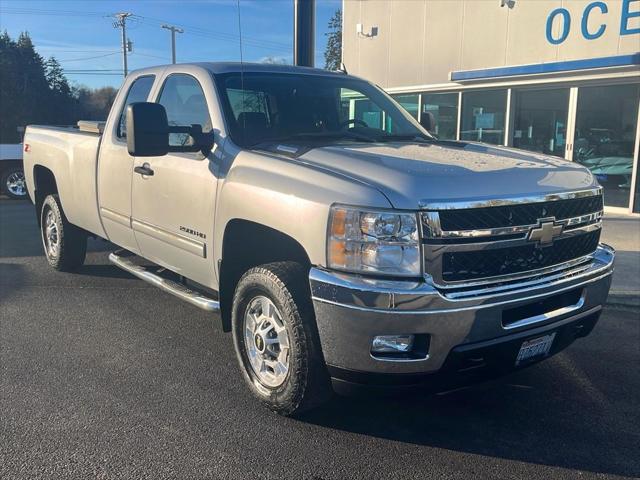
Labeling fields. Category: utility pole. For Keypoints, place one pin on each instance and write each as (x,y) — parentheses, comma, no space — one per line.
(121,22)
(304,28)
(174,30)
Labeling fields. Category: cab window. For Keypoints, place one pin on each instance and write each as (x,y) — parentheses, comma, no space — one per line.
(183,98)
(138,92)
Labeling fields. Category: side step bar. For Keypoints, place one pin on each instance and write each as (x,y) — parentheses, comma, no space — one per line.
(124,261)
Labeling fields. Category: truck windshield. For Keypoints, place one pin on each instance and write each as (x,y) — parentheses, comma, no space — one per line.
(283,107)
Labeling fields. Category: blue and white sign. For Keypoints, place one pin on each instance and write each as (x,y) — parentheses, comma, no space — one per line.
(629,21)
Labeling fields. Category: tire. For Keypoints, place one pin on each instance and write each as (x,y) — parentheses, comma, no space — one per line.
(305,384)
(65,245)
(13,183)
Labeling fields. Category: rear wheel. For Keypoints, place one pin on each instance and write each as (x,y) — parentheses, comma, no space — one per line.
(13,183)
(65,245)
(276,339)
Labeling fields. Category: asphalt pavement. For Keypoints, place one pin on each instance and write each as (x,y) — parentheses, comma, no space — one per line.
(103,376)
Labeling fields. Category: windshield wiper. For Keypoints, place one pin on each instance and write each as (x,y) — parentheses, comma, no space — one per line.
(317,135)
(405,137)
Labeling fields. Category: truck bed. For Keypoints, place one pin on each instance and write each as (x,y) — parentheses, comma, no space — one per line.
(71,154)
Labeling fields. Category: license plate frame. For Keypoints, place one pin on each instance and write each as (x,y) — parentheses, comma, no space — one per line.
(535,348)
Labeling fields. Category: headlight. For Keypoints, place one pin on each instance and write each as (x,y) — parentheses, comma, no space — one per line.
(370,241)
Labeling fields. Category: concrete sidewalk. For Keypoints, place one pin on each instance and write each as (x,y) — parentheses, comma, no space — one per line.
(623,234)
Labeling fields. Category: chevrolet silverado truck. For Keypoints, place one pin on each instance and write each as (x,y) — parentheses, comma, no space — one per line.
(342,245)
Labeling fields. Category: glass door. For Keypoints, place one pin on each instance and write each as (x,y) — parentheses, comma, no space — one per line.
(605,135)
(540,120)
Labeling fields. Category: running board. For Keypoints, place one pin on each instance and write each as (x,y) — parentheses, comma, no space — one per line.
(155,277)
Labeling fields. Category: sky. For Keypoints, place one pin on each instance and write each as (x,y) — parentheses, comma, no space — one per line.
(80,33)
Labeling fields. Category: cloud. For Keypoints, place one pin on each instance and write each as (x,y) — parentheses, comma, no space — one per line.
(278,60)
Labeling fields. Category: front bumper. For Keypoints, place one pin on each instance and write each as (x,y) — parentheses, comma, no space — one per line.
(351,310)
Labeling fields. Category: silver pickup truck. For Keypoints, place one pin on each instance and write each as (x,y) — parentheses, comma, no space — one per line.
(342,244)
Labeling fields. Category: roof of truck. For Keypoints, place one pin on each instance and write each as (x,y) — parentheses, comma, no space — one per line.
(230,67)
(236,67)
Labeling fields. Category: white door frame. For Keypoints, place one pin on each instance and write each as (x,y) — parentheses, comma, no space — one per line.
(571,123)
(634,170)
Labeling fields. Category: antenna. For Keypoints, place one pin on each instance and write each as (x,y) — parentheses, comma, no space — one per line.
(121,22)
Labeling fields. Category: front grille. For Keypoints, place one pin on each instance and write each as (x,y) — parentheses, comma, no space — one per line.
(515,215)
(479,264)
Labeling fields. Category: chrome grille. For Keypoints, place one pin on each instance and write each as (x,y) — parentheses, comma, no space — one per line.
(512,215)
(498,248)
(457,266)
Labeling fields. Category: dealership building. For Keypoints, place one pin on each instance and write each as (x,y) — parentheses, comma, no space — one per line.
(561,77)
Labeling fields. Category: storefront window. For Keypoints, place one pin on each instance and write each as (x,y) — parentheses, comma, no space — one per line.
(444,107)
(369,112)
(540,120)
(605,137)
(409,102)
(483,116)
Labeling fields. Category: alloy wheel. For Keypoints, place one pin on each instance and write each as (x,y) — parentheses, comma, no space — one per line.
(267,342)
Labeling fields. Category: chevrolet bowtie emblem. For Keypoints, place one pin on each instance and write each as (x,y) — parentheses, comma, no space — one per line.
(545,231)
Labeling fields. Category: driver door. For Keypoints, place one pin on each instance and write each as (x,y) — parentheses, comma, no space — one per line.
(173,208)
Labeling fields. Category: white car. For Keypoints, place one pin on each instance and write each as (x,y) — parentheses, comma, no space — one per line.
(11,171)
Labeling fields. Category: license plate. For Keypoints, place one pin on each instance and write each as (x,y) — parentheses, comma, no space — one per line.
(534,348)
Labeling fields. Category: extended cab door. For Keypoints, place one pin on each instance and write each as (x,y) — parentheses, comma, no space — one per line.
(173,208)
(115,167)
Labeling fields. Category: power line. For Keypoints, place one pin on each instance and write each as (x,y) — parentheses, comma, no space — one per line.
(78,70)
(221,35)
(76,51)
(119,74)
(89,58)
(227,37)
(199,31)
(149,55)
(64,13)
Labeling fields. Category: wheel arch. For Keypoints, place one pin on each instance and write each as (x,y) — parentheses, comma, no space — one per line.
(247,244)
(44,184)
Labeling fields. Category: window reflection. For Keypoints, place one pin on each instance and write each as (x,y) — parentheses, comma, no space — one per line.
(483,114)
(540,120)
(409,103)
(605,136)
(444,107)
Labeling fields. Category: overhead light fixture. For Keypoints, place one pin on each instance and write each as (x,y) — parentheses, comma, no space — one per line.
(508,3)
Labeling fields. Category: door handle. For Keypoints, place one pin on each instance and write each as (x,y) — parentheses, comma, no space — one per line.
(145,169)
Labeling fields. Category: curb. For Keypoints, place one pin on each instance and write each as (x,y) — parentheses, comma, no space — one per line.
(624,299)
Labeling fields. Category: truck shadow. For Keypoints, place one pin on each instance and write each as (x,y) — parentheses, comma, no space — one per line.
(530,416)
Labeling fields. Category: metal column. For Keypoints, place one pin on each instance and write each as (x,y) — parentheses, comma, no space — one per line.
(304,21)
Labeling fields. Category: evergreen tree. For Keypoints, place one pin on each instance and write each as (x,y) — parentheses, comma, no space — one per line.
(55,77)
(33,91)
(333,51)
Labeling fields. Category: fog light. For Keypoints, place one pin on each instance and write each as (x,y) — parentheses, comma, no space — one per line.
(392,344)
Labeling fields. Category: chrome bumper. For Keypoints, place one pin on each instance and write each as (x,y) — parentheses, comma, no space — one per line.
(351,310)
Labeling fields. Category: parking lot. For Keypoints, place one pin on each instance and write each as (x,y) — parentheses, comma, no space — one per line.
(103,376)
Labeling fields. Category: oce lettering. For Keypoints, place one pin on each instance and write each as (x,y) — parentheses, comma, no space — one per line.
(600,8)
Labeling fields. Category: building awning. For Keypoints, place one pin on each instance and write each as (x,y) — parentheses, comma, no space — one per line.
(550,67)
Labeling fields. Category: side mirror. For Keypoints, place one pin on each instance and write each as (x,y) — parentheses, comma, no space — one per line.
(428,121)
(147,130)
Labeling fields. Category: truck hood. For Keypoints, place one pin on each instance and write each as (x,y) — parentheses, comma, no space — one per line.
(413,176)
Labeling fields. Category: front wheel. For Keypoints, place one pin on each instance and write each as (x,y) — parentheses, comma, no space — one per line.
(65,245)
(276,339)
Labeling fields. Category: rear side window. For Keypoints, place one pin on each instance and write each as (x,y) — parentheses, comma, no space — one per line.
(138,92)
(183,99)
